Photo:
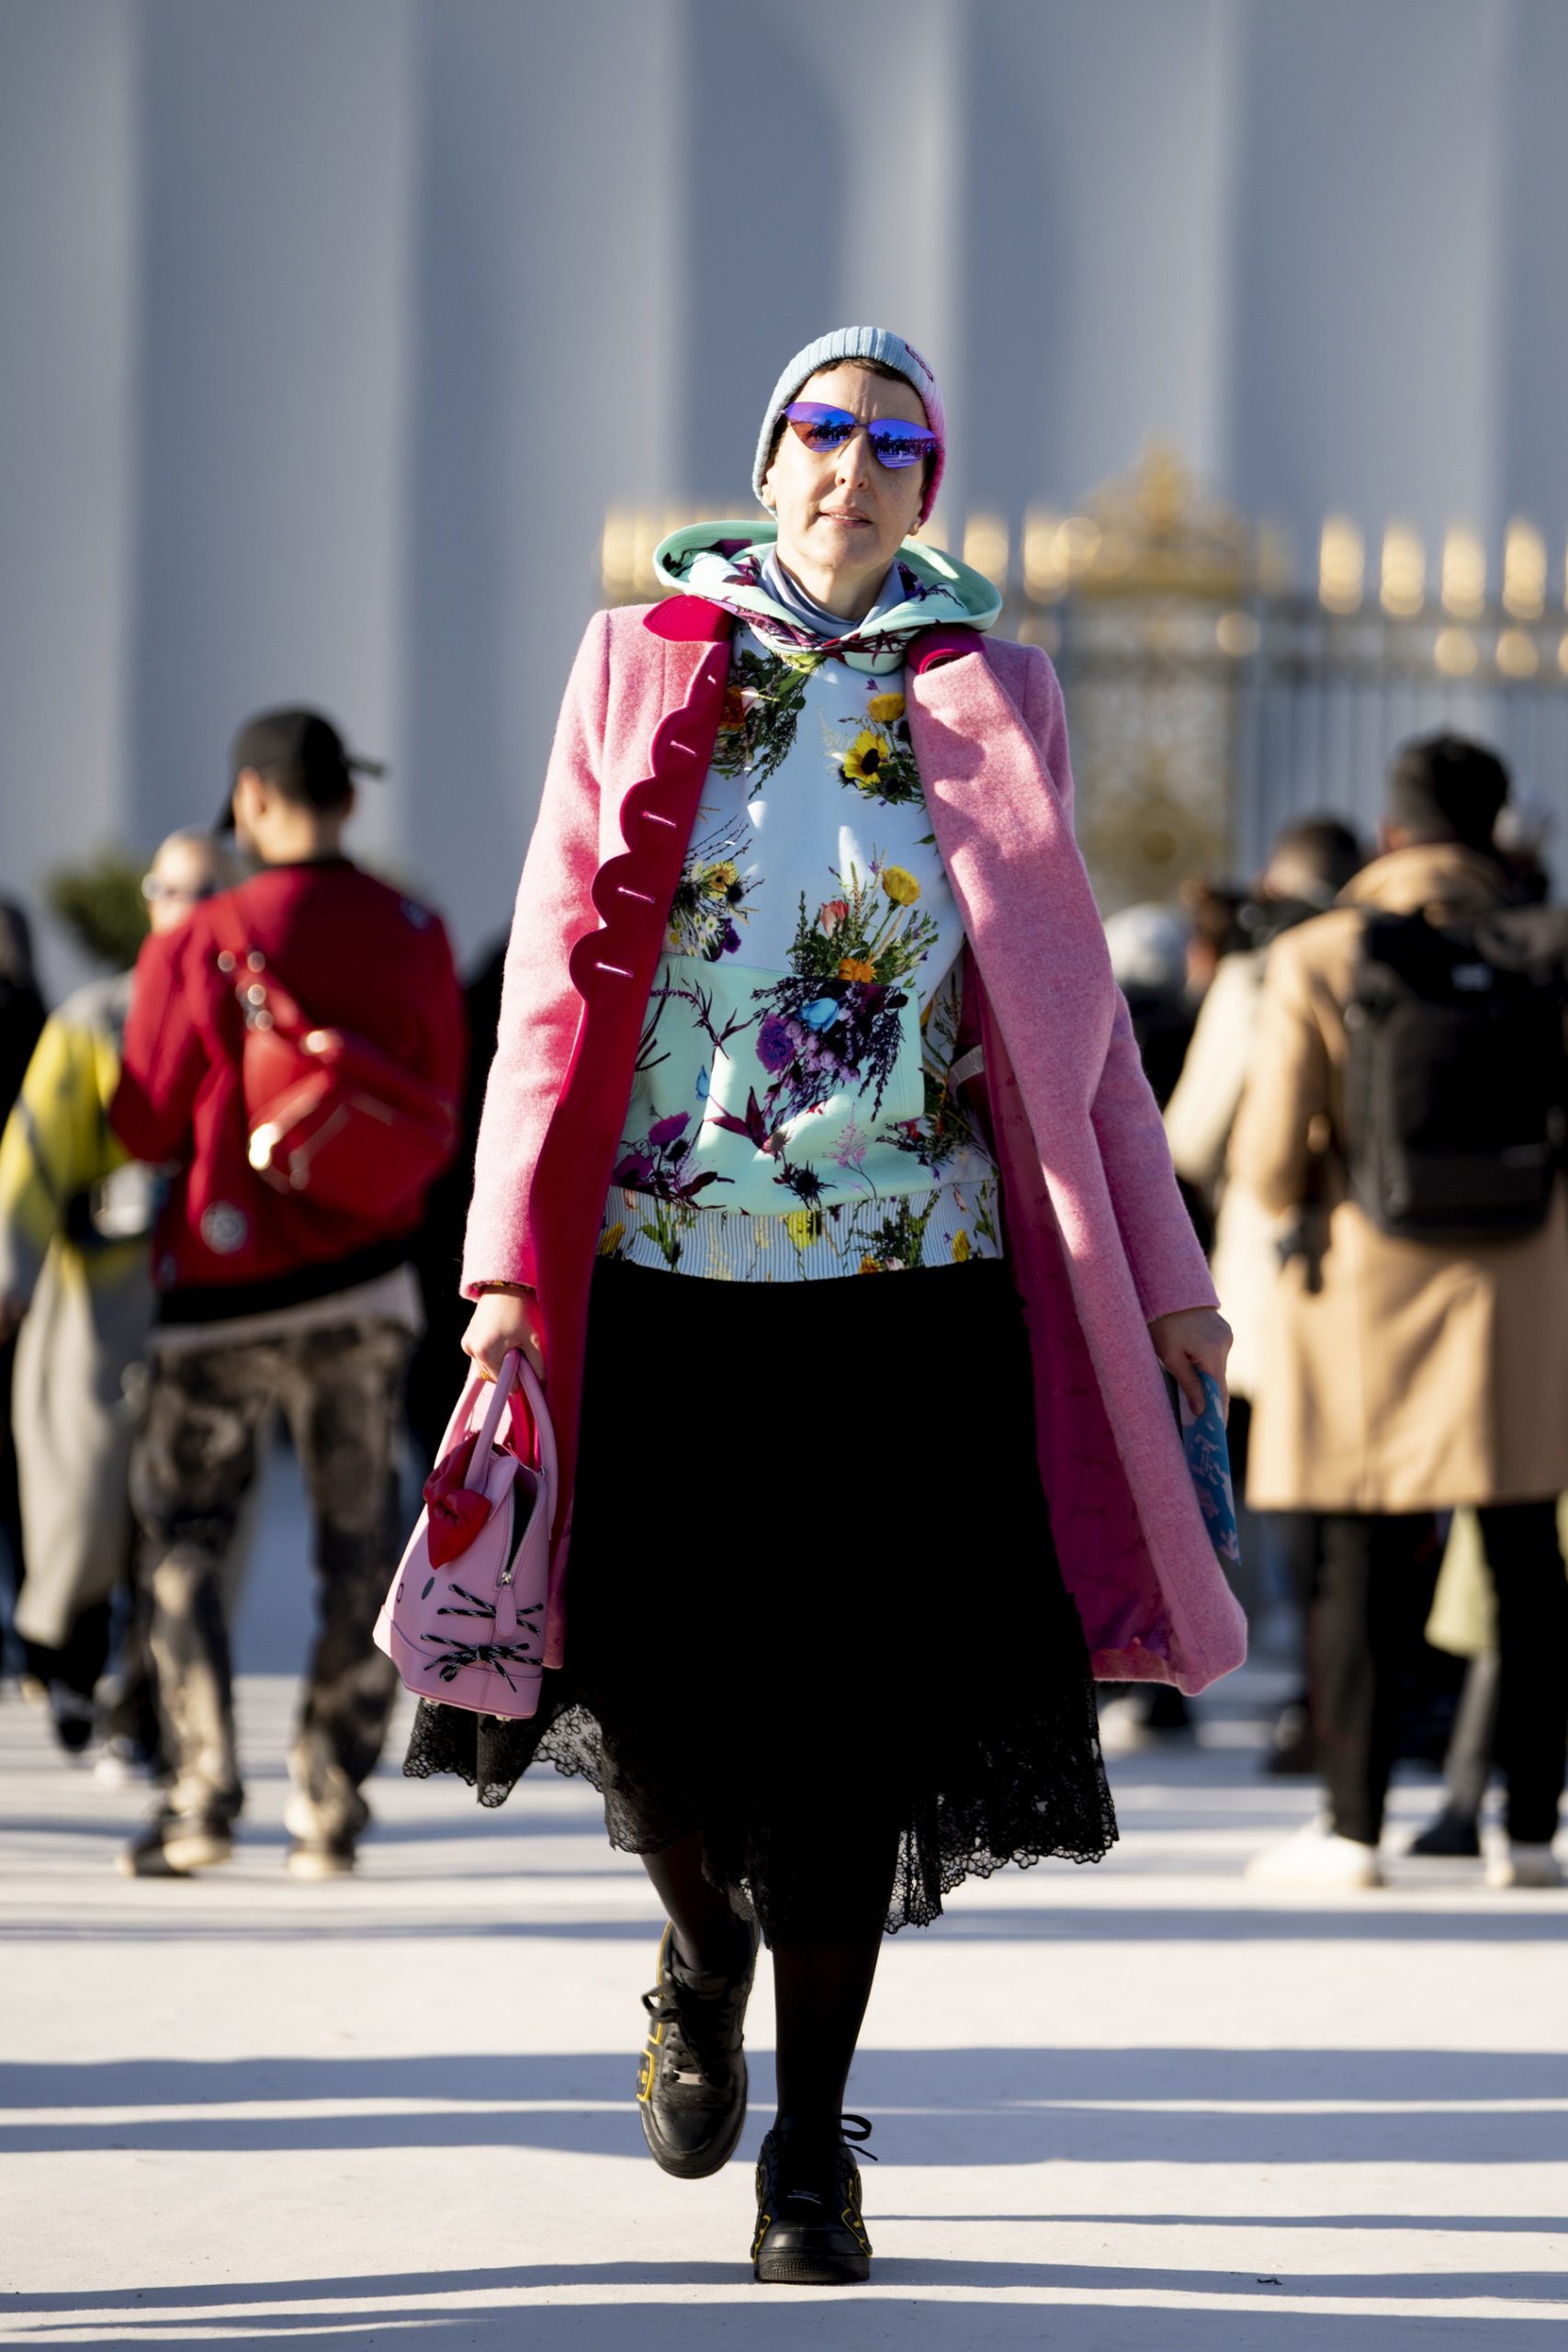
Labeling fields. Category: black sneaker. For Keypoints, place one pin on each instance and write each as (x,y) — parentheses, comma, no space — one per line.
(73,1719)
(810,2232)
(1454,1835)
(691,2082)
(175,1845)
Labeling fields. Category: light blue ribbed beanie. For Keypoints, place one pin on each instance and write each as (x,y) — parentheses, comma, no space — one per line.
(858,342)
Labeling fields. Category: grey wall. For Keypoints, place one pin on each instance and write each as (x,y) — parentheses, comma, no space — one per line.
(328,328)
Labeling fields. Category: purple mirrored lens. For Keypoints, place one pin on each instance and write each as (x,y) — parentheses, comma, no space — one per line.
(901,445)
(826,429)
(818,427)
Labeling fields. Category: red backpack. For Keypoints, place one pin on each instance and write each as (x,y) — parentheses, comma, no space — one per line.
(329,1118)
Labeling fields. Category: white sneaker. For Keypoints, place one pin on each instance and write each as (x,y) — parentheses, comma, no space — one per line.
(1122,1730)
(299,1815)
(1524,1866)
(1316,1855)
(121,1762)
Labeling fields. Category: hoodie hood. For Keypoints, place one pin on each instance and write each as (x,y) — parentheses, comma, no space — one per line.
(925,589)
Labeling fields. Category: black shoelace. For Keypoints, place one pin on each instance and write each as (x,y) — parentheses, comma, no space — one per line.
(697,2024)
(810,2151)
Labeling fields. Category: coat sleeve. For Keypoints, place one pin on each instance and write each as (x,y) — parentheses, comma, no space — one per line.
(1167,1263)
(1289,1083)
(1202,1112)
(165,1054)
(539,1006)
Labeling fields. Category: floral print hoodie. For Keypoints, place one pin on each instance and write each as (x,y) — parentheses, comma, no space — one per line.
(794,1117)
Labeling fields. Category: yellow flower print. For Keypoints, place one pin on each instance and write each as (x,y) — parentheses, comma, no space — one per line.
(855,967)
(863,760)
(900,886)
(611,1240)
(871,1265)
(886,708)
(804,1226)
(962,1252)
(720,878)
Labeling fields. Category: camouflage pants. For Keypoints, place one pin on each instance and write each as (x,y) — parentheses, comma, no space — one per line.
(340,1392)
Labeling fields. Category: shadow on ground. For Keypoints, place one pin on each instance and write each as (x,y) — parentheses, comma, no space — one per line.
(780,2319)
(931,2107)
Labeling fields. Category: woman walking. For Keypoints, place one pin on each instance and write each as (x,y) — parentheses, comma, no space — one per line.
(807,985)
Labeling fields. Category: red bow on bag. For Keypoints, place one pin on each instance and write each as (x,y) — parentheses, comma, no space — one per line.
(457,1513)
(458,1510)
(475,1639)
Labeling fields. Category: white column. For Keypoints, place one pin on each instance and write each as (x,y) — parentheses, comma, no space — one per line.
(274,151)
(1366,231)
(68,241)
(547,313)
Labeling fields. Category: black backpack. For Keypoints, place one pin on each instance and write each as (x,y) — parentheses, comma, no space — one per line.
(1457,1083)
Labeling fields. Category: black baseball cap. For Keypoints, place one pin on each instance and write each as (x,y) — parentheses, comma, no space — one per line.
(303,751)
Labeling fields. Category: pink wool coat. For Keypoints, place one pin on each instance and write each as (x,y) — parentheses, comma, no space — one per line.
(1096,1237)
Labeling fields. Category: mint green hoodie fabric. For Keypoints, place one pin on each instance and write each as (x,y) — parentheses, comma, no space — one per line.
(724,561)
(792,1118)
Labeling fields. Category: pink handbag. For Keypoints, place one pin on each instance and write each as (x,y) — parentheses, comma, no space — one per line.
(464,1620)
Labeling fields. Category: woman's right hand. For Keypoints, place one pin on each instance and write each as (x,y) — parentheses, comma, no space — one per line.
(502,1320)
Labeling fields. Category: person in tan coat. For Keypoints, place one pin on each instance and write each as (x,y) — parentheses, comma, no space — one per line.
(1403,1377)
(1309,862)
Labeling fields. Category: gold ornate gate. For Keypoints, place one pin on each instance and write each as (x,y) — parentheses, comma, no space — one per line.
(1211,696)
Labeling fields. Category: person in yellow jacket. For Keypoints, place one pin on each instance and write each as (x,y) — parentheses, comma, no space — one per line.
(75,1225)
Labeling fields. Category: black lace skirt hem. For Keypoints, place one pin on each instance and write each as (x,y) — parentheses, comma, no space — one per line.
(816,1614)
(1051,1804)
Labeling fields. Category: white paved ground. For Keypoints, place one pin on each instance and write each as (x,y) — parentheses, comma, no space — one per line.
(1135,2107)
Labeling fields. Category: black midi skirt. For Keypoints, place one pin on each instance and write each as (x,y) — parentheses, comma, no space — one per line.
(814,1610)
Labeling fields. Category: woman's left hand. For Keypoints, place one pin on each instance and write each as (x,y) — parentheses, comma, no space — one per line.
(1195,1339)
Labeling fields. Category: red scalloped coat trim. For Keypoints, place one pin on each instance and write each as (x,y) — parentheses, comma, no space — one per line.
(612,970)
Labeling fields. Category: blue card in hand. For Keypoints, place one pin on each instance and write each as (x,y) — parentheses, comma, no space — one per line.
(1208,1458)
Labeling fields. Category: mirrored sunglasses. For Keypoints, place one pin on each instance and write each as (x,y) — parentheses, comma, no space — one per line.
(826,429)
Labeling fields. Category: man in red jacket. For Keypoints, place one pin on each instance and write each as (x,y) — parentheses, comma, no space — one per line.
(269,1299)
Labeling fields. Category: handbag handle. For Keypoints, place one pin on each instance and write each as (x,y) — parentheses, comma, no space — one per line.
(516,1369)
(500,1392)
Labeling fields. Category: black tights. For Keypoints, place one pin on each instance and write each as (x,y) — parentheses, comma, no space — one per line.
(821,1983)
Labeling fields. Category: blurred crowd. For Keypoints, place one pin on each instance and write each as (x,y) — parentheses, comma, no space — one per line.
(232,1185)
(1360,1058)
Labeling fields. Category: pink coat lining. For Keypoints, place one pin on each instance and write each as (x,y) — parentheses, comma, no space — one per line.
(1097,1235)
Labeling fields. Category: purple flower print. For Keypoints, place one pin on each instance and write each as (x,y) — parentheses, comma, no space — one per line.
(851,1148)
(917,590)
(661,1162)
(775,1044)
(753,1126)
(820,1046)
